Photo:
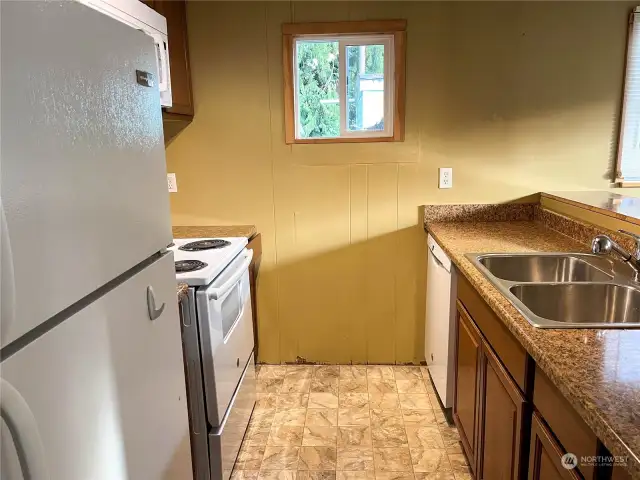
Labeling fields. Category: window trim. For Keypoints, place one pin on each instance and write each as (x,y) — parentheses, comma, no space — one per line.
(350,31)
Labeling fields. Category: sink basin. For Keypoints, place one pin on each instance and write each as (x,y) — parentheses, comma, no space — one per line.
(598,305)
(565,290)
(542,268)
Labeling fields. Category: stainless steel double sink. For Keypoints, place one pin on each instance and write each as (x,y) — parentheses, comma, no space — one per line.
(565,290)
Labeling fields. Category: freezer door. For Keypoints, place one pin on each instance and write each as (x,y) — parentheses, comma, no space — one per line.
(83,184)
(102,395)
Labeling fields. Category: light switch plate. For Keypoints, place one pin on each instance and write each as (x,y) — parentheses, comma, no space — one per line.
(172,183)
(446,177)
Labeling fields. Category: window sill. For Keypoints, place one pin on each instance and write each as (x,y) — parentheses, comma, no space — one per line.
(343,140)
(623,184)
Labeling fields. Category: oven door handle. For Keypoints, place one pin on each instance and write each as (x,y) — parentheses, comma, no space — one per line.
(219,292)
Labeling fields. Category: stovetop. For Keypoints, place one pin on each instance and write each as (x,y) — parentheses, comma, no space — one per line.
(214,253)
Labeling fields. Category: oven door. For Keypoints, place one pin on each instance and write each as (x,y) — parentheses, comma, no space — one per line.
(226,334)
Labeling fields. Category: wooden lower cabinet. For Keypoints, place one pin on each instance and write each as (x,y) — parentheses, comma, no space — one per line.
(502,413)
(488,407)
(545,455)
(467,383)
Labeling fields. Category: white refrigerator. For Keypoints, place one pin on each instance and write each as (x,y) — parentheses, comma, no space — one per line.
(91,369)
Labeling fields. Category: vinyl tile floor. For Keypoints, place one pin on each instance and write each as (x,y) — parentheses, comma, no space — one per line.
(348,422)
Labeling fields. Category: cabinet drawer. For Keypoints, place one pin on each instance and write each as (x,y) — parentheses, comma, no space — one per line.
(511,353)
(573,434)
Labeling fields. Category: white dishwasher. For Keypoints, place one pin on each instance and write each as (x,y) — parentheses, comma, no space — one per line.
(440,322)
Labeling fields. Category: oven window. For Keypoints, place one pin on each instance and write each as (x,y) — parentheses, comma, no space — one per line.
(231,307)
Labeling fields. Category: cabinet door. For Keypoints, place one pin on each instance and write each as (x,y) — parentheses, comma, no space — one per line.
(467,383)
(545,455)
(502,414)
(175,11)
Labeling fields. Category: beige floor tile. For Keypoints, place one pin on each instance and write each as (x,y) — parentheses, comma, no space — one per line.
(327,417)
(387,428)
(244,475)
(394,476)
(295,385)
(250,457)
(317,458)
(354,435)
(355,458)
(435,476)
(463,476)
(384,400)
(414,401)
(451,439)
(292,400)
(278,475)
(426,437)
(353,385)
(293,417)
(441,418)
(392,459)
(381,385)
(349,372)
(419,418)
(299,372)
(353,416)
(347,400)
(323,400)
(430,460)
(315,436)
(266,401)
(324,385)
(380,372)
(258,431)
(415,385)
(355,475)
(429,386)
(459,462)
(407,372)
(435,401)
(280,458)
(285,435)
(272,371)
(327,371)
(317,475)
(269,385)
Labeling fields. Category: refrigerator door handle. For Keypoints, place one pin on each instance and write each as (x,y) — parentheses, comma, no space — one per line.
(24,431)
(8,293)
(151,304)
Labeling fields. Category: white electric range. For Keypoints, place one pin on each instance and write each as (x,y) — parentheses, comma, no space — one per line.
(217,334)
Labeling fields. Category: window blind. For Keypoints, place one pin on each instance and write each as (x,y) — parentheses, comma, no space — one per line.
(629,148)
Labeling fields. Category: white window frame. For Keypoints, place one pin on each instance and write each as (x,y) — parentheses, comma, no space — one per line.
(628,164)
(387,40)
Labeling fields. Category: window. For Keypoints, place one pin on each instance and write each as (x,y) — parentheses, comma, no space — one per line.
(344,81)
(629,147)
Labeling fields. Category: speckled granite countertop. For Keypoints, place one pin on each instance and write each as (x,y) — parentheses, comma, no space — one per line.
(182,290)
(598,371)
(214,231)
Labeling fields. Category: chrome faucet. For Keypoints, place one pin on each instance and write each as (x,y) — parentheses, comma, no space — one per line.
(603,245)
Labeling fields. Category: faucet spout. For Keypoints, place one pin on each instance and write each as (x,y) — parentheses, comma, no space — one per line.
(604,245)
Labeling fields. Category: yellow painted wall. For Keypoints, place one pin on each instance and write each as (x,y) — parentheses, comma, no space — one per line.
(516,97)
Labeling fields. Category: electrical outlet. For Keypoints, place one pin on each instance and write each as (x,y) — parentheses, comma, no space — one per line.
(172,183)
(446,177)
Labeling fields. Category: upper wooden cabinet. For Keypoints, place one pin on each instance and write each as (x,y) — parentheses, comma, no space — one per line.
(175,11)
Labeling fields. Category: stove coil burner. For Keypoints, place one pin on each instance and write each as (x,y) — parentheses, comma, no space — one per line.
(204,245)
(184,266)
